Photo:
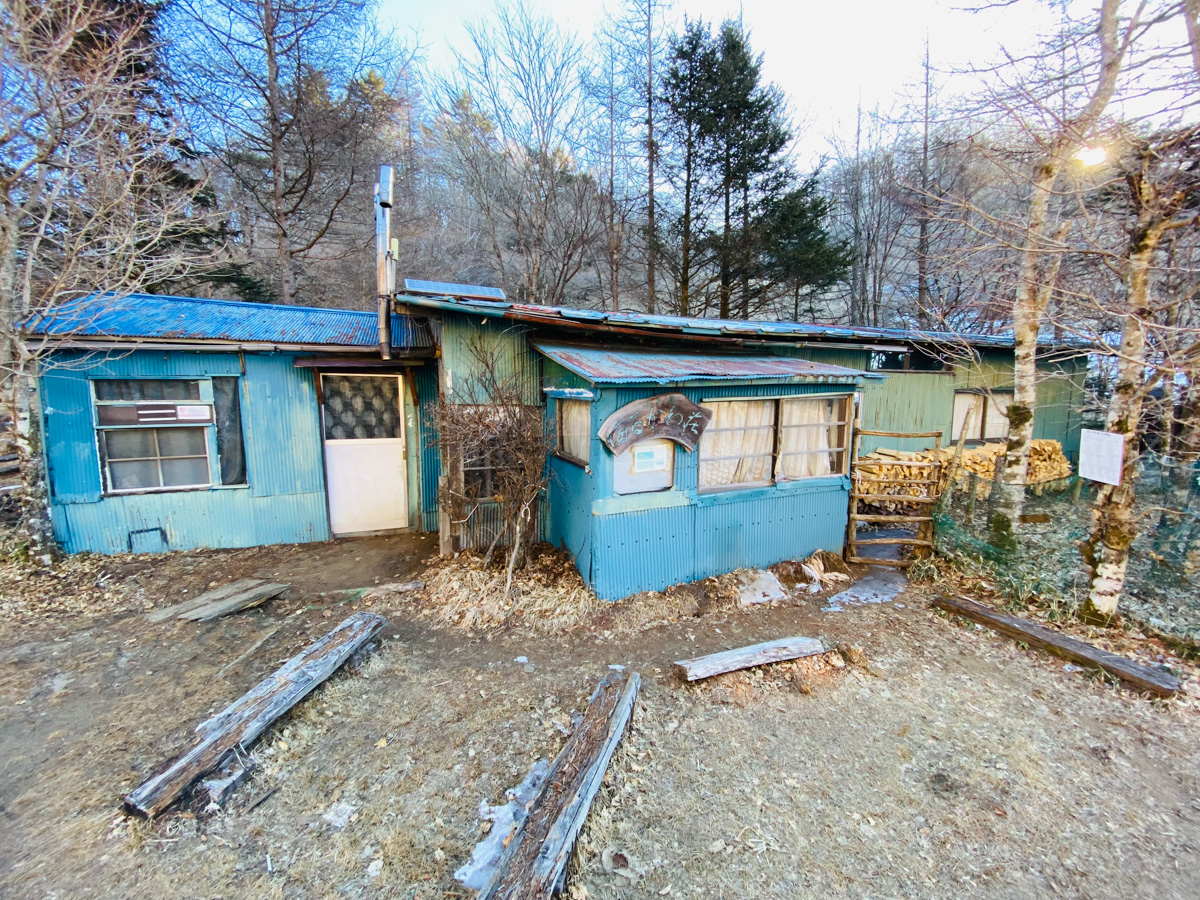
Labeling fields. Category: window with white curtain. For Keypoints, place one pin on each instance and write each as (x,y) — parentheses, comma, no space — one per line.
(753,443)
(738,446)
(575,429)
(812,437)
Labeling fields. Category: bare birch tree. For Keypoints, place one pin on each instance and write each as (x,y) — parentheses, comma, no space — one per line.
(1114,29)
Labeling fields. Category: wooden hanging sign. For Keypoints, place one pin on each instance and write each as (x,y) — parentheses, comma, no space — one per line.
(670,416)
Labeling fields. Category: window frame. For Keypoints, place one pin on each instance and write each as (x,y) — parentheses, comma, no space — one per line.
(980,435)
(558,431)
(209,428)
(846,423)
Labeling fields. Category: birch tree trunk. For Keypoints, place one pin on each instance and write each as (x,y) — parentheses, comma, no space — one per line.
(1029,306)
(1114,521)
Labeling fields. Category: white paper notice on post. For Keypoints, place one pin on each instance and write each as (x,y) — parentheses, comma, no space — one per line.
(1101,456)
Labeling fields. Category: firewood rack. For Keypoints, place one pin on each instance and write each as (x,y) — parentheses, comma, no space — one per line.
(862,491)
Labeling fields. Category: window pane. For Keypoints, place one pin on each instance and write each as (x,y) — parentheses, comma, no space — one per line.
(181,442)
(361,407)
(996,425)
(738,444)
(227,405)
(146,389)
(575,430)
(132,443)
(179,472)
(128,476)
(963,402)
(811,431)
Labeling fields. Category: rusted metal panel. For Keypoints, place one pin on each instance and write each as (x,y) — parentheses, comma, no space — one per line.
(601,366)
(565,316)
(150,316)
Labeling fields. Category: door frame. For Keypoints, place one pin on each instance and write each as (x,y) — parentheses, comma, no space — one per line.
(401,374)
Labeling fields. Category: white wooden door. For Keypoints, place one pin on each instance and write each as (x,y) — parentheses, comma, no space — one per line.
(365,471)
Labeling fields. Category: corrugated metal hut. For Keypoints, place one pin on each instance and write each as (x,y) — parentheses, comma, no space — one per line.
(173,423)
(675,466)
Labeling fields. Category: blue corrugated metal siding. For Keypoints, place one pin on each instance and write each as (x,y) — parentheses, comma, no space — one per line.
(284,501)
(431,456)
(192,318)
(650,549)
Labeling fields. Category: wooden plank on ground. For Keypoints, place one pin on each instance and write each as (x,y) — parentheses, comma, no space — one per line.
(248,717)
(252,596)
(1144,678)
(221,593)
(537,851)
(746,657)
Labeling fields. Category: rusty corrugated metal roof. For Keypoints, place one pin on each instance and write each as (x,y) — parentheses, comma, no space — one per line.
(606,366)
(567,317)
(164,317)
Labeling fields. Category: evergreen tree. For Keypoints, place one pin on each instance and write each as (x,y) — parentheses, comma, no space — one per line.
(744,137)
(686,94)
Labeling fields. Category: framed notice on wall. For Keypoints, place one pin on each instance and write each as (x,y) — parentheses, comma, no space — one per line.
(1101,456)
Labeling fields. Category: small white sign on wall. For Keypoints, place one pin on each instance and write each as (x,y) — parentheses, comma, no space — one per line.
(1101,456)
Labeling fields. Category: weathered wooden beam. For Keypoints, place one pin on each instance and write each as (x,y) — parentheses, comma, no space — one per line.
(530,866)
(556,848)
(901,434)
(252,596)
(872,561)
(247,718)
(915,542)
(746,657)
(1144,678)
(857,518)
(225,590)
(898,499)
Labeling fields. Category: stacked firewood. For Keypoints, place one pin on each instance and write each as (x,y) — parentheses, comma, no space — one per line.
(899,472)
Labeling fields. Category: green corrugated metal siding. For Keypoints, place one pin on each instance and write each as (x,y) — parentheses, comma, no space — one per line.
(924,401)
(508,344)
(284,501)
(431,454)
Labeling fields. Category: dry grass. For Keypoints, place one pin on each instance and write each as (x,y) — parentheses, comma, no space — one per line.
(547,596)
(948,762)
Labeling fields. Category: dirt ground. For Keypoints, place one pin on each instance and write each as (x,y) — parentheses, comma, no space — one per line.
(954,762)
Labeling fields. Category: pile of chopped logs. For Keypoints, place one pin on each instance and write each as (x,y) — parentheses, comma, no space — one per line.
(892,474)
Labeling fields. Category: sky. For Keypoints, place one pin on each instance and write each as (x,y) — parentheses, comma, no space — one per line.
(827,55)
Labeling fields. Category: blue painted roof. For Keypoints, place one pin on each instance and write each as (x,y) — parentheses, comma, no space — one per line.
(747,329)
(196,319)
(605,366)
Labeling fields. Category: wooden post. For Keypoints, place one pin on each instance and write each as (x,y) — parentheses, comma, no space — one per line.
(445,535)
(973,487)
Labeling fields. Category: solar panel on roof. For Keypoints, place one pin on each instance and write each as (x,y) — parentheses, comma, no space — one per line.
(445,289)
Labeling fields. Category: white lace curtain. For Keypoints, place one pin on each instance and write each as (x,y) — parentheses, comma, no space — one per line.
(810,430)
(738,443)
(575,428)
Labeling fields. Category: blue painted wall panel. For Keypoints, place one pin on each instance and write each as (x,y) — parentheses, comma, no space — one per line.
(284,501)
